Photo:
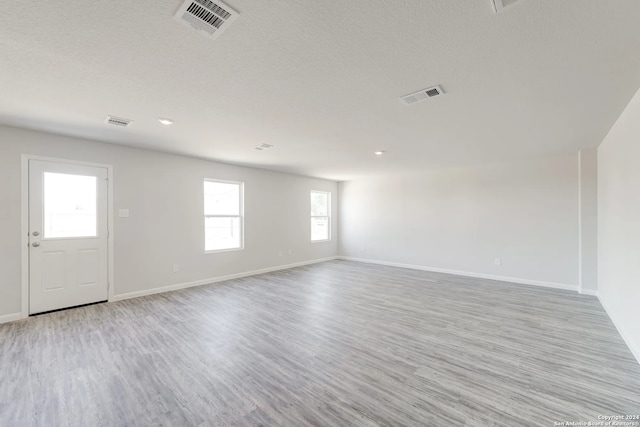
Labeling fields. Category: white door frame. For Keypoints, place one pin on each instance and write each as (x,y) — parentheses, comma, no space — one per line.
(25,223)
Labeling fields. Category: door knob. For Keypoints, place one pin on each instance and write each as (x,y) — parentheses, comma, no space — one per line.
(35,244)
(36,233)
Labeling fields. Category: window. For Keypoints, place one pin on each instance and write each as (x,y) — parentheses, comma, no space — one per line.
(320,216)
(223,215)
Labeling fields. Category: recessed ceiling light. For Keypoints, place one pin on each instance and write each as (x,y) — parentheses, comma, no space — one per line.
(378,153)
(165,121)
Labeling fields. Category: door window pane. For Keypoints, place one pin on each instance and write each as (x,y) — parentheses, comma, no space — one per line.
(70,205)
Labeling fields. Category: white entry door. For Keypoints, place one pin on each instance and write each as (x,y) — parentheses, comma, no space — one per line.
(68,235)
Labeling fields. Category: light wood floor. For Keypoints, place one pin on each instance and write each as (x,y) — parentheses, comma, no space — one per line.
(333,344)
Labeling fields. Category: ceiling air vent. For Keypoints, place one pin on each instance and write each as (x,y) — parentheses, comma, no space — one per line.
(422,95)
(210,18)
(499,5)
(263,147)
(118,121)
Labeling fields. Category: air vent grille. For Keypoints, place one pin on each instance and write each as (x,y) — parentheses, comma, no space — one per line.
(202,13)
(262,147)
(215,8)
(207,17)
(118,121)
(499,5)
(422,95)
(432,92)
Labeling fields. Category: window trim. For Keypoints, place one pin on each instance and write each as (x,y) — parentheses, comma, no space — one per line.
(240,184)
(328,216)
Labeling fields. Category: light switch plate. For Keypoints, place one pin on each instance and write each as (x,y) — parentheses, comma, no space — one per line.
(123,213)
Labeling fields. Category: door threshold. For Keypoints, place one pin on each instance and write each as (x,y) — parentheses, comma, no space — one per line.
(67,308)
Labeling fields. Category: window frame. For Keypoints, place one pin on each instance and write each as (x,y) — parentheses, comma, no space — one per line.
(328,216)
(240,215)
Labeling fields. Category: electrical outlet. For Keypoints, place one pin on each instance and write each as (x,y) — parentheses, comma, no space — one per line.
(289,251)
(279,253)
(176,268)
(497,261)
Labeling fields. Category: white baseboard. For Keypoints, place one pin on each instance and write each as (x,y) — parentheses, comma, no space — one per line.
(120,297)
(635,350)
(589,292)
(11,317)
(466,274)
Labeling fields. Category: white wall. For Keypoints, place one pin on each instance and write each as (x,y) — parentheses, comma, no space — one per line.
(619,224)
(525,213)
(588,205)
(164,195)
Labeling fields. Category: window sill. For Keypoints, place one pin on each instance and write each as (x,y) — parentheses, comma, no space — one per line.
(217,251)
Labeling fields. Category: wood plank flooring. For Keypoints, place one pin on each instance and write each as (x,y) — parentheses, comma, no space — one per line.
(333,344)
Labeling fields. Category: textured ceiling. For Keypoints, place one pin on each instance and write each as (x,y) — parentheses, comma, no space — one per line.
(320,80)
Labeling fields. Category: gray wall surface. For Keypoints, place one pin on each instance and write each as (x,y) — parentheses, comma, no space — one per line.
(166,225)
(619,224)
(524,213)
